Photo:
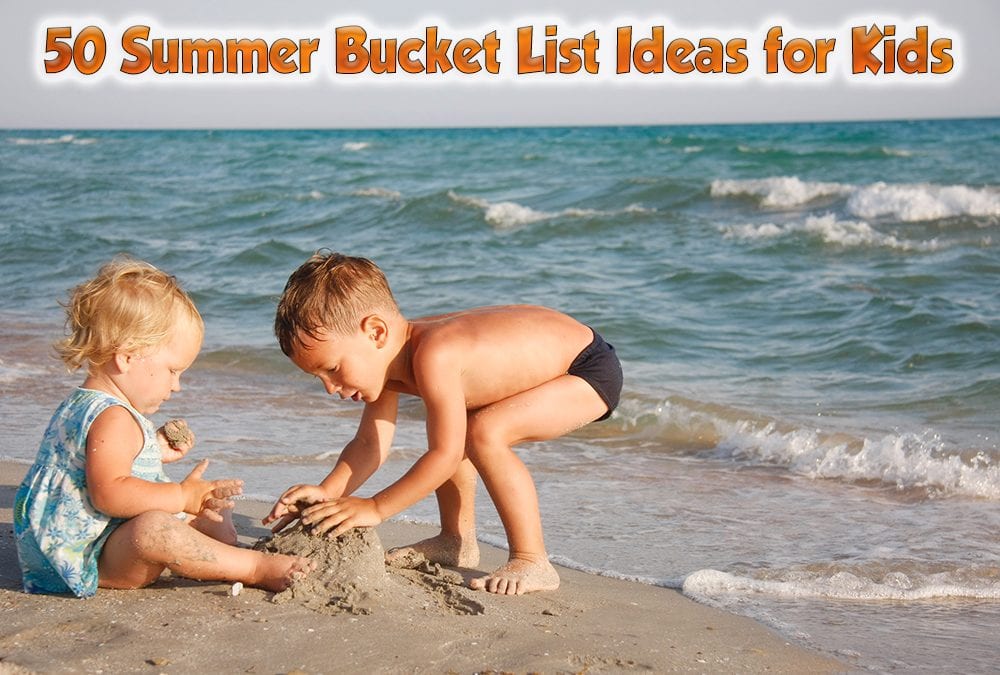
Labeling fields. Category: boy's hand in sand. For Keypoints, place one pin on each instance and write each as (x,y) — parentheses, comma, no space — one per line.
(291,503)
(200,494)
(336,516)
(176,439)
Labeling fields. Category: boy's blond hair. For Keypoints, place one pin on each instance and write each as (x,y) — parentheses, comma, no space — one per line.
(129,306)
(332,292)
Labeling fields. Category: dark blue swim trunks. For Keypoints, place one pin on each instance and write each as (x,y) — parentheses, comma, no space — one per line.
(598,366)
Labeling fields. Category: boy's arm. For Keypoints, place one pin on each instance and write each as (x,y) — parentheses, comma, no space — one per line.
(113,441)
(443,394)
(365,453)
(368,450)
(447,418)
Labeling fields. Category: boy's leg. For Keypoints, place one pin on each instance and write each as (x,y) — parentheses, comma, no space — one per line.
(547,411)
(139,549)
(456,545)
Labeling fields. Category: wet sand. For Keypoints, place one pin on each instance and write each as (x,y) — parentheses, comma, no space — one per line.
(419,621)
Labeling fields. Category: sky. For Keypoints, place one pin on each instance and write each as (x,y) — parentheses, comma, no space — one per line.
(325,98)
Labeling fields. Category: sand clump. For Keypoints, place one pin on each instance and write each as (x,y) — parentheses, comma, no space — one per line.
(177,433)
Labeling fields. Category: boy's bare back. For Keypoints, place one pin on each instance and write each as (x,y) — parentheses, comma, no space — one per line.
(495,351)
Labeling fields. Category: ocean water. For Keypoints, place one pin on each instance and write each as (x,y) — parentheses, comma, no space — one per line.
(808,317)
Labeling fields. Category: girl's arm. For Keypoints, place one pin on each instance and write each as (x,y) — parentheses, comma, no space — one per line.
(113,442)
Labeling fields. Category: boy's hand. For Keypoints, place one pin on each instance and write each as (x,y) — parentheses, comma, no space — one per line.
(289,506)
(199,492)
(176,439)
(340,515)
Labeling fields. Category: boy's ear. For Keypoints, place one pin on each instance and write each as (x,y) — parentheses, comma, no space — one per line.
(376,329)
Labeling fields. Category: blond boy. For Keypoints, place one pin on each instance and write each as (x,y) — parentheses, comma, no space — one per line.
(490,378)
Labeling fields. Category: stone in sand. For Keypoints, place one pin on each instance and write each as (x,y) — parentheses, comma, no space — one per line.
(350,569)
(177,433)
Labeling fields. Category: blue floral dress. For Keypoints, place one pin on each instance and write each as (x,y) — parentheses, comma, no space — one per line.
(59,533)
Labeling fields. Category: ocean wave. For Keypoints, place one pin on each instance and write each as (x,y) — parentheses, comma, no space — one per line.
(830,230)
(778,191)
(378,192)
(904,460)
(65,139)
(905,202)
(876,583)
(921,462)
(508,215)
(919,202)
(355,146)
(11,372)
(848,152)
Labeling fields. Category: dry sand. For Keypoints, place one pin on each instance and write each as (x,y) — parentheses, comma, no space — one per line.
(406,621)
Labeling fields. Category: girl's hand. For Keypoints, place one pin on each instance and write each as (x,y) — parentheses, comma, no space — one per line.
(176,439)
(218,501)
(200,494)
(289,506)
(339,515)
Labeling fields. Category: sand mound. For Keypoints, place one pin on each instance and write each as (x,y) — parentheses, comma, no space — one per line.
(351,576)
(350,569)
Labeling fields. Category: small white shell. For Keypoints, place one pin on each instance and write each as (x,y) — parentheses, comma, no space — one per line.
(237,587)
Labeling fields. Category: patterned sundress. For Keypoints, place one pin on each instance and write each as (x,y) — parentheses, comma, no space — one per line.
(59,533)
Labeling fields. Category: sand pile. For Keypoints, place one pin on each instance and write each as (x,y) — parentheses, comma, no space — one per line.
(350,569)
(351,576)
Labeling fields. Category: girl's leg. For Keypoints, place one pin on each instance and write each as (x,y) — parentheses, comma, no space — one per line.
(140,549)
(224,530)
(547,411)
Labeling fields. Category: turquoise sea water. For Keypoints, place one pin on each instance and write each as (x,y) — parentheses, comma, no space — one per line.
(808,316)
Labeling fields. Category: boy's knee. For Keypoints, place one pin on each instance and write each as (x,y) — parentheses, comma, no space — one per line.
(482,435)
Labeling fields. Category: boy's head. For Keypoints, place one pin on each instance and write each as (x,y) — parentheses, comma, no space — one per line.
(330,292)
(130,306)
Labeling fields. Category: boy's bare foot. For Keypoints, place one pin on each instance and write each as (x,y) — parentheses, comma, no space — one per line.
(444,549)
(276,572)
(519,576)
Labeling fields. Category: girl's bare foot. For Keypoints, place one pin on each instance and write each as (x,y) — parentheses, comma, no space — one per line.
(519,576)
(276,572)
(445,549)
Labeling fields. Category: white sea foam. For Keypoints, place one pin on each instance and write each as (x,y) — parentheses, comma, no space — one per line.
(907,202)
(904,460)
(918,202)
(510,215)
(778,191)
(14,371)
(709,584)
(901,460)
(895,152)
(64,139)
(355,146)
(378,192)
(830,230)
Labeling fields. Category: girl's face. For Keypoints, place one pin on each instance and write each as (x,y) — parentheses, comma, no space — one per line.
(151,376)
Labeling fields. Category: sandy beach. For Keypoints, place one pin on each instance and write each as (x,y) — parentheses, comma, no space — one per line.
(591,624)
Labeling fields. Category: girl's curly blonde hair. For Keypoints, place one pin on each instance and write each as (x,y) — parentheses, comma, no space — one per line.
(129,306)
